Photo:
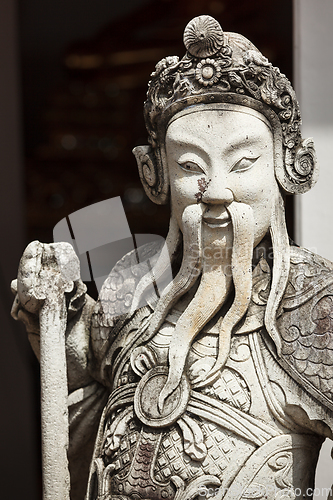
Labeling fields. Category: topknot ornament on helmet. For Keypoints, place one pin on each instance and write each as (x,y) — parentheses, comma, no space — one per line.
(224,67)
(203,37)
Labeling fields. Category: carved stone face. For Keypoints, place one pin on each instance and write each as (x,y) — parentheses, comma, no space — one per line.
(217,156)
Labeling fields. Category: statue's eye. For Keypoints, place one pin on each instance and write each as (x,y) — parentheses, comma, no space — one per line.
(190,166)
(244,164)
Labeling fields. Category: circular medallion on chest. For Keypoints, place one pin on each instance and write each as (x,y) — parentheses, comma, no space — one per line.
(146,399)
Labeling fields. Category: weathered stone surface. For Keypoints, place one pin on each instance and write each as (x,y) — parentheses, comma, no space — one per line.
(222,385)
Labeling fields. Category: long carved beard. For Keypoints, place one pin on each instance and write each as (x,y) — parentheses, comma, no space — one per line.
(281,266)
(189,270)
(215,285)
(212,292)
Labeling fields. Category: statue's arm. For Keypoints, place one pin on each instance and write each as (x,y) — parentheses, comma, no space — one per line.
(35,271)
(87,396)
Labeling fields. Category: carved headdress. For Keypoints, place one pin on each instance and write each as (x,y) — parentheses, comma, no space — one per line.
(228,68)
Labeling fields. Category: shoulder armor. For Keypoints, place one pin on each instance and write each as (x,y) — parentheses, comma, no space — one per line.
(306,324)
(116,294)
(308,274)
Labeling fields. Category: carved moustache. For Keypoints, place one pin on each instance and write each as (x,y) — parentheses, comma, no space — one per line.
(210,297)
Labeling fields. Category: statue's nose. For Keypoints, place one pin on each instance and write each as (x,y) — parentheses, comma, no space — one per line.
(217,193)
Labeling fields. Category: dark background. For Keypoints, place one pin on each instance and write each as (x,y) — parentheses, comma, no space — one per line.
(84,68)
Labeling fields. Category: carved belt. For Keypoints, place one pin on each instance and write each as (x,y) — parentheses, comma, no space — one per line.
(218,412)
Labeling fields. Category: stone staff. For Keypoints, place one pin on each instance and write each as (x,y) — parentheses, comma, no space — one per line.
(46,273)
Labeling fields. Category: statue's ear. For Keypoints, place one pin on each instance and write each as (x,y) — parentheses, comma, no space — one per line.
(301,168)
(153,173)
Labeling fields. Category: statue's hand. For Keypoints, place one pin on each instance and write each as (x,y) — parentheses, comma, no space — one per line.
(29,320)
(45,270)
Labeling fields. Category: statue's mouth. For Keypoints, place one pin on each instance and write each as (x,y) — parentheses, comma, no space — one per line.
(213,222)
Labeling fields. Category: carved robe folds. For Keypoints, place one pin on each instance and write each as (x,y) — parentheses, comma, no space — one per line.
(254,433)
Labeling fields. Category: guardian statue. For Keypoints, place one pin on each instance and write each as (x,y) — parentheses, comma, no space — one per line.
(221,385)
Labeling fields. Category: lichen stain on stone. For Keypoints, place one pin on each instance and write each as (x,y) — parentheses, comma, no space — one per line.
(203,186)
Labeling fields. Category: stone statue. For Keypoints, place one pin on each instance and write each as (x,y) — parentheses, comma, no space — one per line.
(222,386)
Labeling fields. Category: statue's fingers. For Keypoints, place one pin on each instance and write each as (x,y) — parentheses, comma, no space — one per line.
(13,287)
(15,307)
(30,320)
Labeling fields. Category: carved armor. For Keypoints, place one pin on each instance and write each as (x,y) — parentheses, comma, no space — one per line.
(232,435)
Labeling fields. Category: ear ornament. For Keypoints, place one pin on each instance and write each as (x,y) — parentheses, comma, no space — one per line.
(301,168)
(152,175)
